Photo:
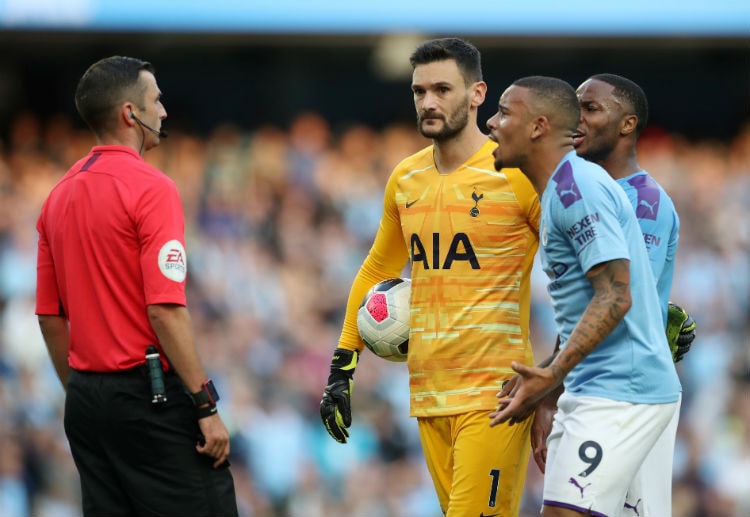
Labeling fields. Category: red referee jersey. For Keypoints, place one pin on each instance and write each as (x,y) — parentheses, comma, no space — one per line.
(111,242)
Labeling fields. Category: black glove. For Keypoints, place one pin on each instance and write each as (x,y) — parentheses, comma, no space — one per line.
(680,331)
(336,405)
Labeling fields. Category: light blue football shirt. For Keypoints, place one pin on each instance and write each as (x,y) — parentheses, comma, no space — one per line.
(660,226)
(587,219)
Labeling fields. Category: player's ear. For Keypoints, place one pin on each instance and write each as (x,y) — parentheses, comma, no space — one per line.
(628,124)
(479,93)
(127,112)
(539,126)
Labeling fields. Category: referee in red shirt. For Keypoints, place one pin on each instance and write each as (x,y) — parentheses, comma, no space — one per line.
(111,272)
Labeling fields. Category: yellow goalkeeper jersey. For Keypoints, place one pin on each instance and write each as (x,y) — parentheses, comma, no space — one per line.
(471,236)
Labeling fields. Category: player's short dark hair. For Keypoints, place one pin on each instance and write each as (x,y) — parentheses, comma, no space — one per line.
(105,85)
(631,93)
(555,98)
(465,54)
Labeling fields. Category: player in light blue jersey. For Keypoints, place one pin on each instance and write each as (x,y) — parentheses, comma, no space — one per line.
(660,226)
(587,220)
(614,112)
(621,389)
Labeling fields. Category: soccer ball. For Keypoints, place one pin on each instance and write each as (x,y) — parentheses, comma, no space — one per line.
(383,319)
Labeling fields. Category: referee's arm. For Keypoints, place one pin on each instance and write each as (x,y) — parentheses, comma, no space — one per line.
(173,327)
(56,336)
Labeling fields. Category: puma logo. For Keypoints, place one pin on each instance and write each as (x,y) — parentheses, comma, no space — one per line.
(648,196)
(566,188)
(650,206)
(634,507)
(573,482)
(569,191)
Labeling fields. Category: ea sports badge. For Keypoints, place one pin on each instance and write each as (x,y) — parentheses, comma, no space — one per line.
(173,261)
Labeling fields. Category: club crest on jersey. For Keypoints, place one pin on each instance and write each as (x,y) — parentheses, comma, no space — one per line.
(173,261)
(566,188)
(474,212)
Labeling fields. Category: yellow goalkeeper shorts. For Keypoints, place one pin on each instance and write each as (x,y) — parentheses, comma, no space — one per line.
(477,470)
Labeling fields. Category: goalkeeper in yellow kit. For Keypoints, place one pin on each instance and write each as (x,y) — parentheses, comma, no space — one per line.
(470,234)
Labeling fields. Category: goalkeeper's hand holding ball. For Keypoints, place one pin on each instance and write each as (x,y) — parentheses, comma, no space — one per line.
(336,405)
(680,331)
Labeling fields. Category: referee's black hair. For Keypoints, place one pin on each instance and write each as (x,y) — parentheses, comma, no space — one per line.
(105,86)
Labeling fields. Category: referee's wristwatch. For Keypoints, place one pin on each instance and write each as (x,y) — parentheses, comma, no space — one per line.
(205,400)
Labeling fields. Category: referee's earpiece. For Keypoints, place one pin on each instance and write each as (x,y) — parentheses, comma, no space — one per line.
(158,132)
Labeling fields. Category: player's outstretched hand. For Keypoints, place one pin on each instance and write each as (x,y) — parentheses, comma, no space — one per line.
(509,387)
(680,331)
(336,406)
(529,389)
(542,427)
(542,424)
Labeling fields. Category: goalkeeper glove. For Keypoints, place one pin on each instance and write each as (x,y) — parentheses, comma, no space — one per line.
(335,407)
(680,331)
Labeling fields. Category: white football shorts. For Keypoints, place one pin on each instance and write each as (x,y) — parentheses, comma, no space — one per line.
(610,457)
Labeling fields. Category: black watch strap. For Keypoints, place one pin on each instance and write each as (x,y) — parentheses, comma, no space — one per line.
(206,411)
(207,395)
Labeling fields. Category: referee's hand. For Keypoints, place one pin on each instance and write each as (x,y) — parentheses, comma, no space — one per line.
(216,439)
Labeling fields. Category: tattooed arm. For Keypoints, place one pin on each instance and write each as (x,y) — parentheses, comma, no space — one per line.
(611,301)
(609,304)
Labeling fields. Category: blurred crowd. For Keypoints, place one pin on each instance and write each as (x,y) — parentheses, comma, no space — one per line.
(278,221)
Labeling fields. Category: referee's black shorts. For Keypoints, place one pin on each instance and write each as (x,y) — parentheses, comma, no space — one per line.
(138,459)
